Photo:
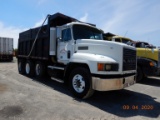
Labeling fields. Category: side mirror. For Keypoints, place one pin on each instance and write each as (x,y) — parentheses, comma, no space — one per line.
(59,39)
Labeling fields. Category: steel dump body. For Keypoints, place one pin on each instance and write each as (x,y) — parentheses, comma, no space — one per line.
(41,47)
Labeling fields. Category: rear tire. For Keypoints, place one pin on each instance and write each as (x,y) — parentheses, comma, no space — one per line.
(29,68)
(39,69)
(80,83)
(21,66)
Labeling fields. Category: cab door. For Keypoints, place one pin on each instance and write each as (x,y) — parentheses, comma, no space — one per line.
(65,45)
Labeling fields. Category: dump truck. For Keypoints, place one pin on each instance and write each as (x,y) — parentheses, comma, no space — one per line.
(6,49)
(148,56)
(74,52)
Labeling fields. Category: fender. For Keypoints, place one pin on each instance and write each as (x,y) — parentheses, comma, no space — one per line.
(91,60)
(147,69)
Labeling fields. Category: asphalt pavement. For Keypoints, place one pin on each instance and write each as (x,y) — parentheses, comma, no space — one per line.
(23,98)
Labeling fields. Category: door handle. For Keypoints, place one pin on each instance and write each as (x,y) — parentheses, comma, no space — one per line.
(68,54)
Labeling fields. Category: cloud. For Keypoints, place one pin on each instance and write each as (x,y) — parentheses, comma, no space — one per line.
(136,17)
(84,18)
(122,16)
(40,2)
(39,23)
(11,32)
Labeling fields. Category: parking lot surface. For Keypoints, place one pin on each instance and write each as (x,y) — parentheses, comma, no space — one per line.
(23,98)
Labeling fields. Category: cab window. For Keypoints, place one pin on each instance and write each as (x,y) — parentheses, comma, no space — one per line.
(125,41)
(117,40)
(66,34)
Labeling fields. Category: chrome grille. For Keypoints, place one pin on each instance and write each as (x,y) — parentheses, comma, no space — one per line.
(129,59)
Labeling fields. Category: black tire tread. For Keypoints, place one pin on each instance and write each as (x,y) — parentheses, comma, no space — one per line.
(22,66)
(88,93)
(42,74)
(31,74)
(140,75)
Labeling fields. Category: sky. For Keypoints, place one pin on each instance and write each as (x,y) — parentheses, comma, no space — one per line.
(135,19)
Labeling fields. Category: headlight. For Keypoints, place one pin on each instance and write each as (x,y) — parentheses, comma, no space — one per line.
(107,67)
(152,64)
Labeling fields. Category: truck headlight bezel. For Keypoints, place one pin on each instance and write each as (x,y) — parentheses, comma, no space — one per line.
(153,64)
(107,67)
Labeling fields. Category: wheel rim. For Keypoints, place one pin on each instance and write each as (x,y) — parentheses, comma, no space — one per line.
(27,68)
(19,66)
(38,69)
(78,83)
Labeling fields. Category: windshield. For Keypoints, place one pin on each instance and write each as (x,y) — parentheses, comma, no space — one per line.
(125,41)
(86,32)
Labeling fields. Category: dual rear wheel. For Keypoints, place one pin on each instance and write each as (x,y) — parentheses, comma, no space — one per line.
(30,68)
(79,78)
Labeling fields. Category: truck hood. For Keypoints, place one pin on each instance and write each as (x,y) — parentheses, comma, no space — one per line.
(110,49)
(153,54)
(101,42)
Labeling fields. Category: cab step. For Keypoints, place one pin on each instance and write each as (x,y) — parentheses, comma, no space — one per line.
(57,79)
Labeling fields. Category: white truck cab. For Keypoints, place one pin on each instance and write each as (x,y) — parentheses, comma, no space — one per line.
(110,65)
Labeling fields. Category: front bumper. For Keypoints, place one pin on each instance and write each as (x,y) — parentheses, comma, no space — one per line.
(100,84)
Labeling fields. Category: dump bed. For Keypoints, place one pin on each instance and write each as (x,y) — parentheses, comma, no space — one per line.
(41,46)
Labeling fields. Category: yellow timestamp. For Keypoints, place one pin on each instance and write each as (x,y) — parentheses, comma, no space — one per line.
(137,107)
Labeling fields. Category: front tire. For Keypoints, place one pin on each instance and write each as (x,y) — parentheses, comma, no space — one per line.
(140,75)
(80,83)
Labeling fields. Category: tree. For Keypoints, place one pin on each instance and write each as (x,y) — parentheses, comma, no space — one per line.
(15,52)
